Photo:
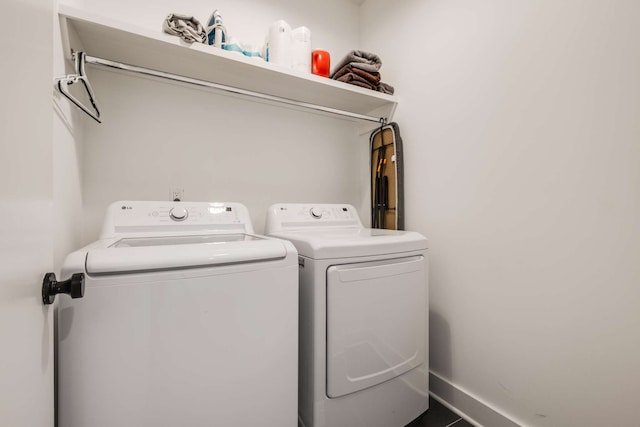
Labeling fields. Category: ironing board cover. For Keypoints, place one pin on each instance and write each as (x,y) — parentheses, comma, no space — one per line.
(387,183)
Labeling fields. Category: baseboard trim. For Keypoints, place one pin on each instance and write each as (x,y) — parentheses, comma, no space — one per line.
(465,404)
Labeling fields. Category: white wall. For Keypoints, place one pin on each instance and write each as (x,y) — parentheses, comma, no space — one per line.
(521,130)
(157,135)
(26,355)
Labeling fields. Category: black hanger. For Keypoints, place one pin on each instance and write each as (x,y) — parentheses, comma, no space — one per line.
(63,82)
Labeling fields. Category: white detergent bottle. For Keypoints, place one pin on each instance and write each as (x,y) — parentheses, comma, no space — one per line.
(280,44)
(301,51)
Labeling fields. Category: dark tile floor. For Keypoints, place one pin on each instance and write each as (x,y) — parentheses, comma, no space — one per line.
(438,416)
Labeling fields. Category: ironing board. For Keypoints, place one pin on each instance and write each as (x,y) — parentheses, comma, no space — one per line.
(387,183)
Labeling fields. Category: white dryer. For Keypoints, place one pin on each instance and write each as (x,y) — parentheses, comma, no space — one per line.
(188,319)
(363,317)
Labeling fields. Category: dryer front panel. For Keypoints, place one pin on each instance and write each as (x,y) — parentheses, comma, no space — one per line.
(376,322)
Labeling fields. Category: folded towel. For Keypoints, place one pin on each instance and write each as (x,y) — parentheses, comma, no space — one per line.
(372,77)
(355,79)
(361,69)
(186,27)
(366,61)
(385,88)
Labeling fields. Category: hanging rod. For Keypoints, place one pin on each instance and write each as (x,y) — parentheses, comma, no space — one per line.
(178,78)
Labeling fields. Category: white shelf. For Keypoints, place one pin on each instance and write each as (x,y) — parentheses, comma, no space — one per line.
(125,43)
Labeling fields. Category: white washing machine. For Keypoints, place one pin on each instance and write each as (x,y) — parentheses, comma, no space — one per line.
(187,319)
(363,317)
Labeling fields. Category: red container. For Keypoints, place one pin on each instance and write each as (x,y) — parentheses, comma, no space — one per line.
(320,62)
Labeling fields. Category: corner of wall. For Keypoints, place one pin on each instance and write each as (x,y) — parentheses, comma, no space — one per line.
(66,159)
(466,404)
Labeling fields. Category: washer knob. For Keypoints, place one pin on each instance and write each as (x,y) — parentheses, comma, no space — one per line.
(315,213)
(178,214)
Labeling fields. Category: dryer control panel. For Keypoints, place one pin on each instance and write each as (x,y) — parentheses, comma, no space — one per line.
(126,217)
(289,216)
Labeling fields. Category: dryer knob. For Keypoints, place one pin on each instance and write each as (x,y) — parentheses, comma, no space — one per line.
(315,213)
(178,214)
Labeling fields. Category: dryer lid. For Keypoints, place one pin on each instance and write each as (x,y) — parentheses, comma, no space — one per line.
(352,242)
(326,231)
(178,252)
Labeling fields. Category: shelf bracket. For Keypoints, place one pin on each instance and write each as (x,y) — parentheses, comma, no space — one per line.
(62,84)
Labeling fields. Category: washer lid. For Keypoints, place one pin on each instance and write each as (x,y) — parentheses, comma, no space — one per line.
(177,252)
(352,242)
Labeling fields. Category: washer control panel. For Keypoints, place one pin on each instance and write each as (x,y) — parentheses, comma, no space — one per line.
(143,216)
(300,215)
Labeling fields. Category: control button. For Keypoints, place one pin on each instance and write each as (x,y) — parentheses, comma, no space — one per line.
(178,214)
(315,213)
